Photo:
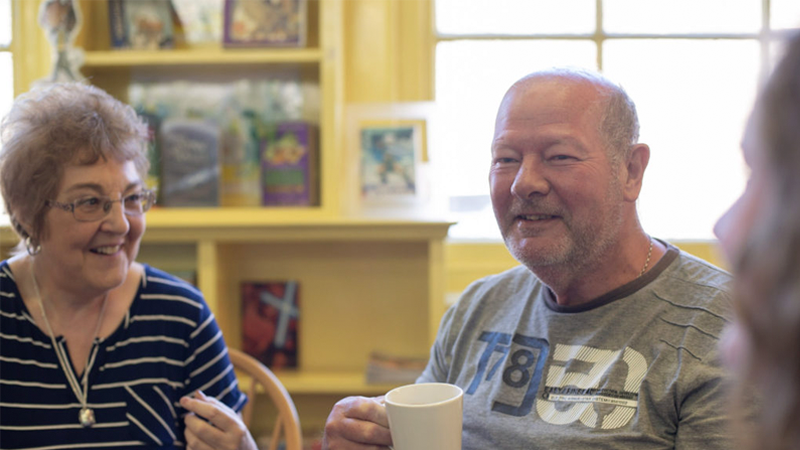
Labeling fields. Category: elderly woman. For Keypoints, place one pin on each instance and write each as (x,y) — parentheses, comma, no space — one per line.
(760,235)
(97,350)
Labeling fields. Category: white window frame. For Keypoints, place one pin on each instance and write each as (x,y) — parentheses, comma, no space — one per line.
(765,37)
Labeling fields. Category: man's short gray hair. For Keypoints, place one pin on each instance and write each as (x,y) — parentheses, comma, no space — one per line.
(619,122)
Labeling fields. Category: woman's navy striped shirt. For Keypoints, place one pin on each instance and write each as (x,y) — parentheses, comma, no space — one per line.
(167,346)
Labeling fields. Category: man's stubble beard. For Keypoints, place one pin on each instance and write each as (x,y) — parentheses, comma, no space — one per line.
(581,246)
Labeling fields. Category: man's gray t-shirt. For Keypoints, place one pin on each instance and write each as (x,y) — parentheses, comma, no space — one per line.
(637,368)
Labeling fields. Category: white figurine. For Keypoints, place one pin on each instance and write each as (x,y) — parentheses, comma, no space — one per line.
(61,22)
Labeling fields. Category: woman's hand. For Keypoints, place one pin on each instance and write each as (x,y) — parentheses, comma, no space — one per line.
(222,428)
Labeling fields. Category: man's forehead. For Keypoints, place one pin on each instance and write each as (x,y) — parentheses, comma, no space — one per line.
(545,105)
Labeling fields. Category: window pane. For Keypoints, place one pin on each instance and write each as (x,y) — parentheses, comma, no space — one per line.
(784,14)
(693,99)
(515,16)
(471,78)
(6,97)
(682,16)
(5,23)
(6,82)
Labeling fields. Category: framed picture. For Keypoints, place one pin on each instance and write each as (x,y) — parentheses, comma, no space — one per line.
(270,322)
(390,154)
(264,23)
(141,24)
(201,20)
(386,166)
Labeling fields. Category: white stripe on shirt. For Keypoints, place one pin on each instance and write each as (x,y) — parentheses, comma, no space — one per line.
(87,445)
(65,426)
(139,381)
(32,384)
(29,362)
(172,298)
(217,378)
(158,317)
(201,327)
(210,363)
(131,362)
(63,405)
(180,284)
(166,400)
(150,410)
(139,340)
(139,424)
(31,340)
(200,349)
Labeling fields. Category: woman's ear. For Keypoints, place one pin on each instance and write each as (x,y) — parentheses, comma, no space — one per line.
(22,227)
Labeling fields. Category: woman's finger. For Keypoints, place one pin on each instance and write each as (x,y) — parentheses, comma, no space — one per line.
(211,410)
(195,427)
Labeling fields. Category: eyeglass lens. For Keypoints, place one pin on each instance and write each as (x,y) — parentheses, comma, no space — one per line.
(94,208)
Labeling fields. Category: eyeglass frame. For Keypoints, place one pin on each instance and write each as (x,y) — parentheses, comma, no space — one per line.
(149,194)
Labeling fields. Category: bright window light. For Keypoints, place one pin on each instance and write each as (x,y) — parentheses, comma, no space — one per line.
(681,16)
(515,17)
(6,73)
(692,112)
(692,67)
(6,82)
(5,23)
(784,14)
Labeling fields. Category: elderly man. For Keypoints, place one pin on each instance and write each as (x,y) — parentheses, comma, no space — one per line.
(605,337)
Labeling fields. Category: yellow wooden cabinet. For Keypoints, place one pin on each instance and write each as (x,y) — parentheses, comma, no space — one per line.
(365,284)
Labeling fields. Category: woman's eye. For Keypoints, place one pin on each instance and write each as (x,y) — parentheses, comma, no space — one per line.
(88,202)
(134,198)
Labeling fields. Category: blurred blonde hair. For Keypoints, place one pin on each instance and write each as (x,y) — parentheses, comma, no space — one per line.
(767,290)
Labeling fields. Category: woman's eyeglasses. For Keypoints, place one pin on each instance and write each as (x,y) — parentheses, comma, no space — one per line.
(90,209)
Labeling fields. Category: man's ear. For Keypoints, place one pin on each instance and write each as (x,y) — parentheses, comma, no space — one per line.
(634,171)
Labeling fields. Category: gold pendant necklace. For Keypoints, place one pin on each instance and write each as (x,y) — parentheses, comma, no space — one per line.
(86,415)
(649,252)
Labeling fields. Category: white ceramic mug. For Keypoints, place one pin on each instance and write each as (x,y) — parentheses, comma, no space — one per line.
(425,416)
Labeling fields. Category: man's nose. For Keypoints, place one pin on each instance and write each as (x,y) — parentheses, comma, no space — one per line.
(530,180)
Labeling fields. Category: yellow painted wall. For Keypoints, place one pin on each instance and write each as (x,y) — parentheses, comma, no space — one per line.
(388,49)
(29,46)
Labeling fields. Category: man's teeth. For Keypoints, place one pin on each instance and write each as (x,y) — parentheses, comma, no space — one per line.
(106,250)
(538,217)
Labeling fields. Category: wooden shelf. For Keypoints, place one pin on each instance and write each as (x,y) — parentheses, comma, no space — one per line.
(281,224)
(207,56)
(342,383)
(272,224)
(232,225)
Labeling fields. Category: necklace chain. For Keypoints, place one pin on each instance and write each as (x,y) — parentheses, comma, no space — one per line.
(86,416)
(647,262)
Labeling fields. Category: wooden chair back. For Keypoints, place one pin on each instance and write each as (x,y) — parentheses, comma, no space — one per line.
(287,422)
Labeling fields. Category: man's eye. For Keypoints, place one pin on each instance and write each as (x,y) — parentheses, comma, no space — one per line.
(561,158)
(504,160)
